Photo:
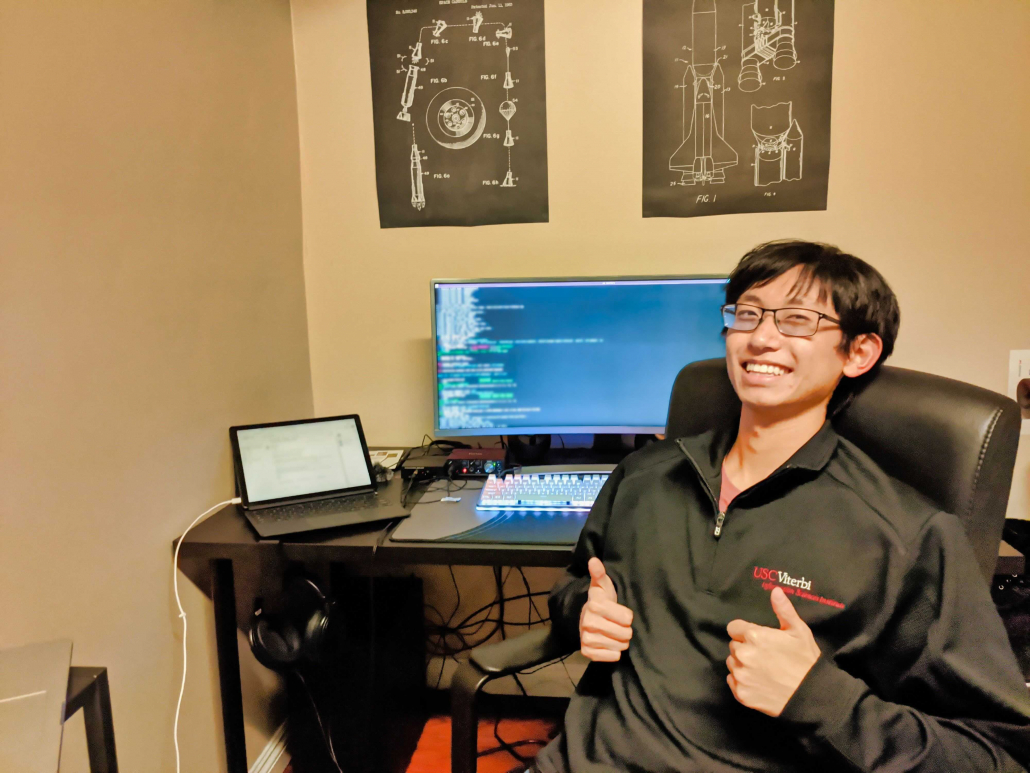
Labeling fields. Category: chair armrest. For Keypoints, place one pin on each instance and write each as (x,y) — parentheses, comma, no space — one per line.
(491,661)
(511,655)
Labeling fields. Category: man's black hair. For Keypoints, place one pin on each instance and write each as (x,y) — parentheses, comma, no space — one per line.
(862,299)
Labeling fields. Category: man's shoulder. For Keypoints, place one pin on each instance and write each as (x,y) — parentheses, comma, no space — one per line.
(902,508)
(653,457)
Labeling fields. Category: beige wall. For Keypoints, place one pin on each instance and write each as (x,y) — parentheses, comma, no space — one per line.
(151,294)
(930,181)
(151,290)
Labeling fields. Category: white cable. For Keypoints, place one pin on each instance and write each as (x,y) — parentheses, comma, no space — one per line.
(182,614)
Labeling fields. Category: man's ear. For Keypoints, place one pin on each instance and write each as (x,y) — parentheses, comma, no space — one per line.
(863,355)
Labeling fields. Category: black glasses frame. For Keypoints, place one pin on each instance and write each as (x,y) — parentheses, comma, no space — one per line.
(776,321)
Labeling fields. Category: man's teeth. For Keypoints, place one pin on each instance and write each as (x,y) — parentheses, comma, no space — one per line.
(756,367)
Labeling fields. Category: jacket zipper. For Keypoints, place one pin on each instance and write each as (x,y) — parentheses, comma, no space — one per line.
(718,524)
(720,517)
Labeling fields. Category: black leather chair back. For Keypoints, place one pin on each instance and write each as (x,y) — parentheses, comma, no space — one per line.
(951,441)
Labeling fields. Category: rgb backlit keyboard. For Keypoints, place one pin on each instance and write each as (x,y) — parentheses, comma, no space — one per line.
(557,492)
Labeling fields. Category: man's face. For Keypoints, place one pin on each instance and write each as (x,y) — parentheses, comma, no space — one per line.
(771,371)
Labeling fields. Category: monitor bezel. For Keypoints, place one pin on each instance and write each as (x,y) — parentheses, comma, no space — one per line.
(541,430)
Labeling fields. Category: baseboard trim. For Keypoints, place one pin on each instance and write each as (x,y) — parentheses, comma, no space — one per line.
(273,758)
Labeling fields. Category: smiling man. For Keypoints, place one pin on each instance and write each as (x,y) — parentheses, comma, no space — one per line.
(763,596)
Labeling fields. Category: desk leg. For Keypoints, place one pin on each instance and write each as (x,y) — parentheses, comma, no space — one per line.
(96,713)
(223,593)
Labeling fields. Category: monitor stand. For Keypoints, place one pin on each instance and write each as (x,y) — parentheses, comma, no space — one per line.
(547,449)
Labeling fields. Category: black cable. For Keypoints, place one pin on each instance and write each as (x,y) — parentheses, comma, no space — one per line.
(500,595)
(542,666)
(386,530)
(407,490)
(457,594)
(325,737)
(460,631)
(509,746)
(519,683)
(532,602)
(465,621)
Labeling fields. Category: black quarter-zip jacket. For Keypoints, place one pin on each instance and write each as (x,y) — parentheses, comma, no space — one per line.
(916,672)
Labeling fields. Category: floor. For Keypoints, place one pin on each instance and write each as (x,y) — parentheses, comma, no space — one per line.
(433,754)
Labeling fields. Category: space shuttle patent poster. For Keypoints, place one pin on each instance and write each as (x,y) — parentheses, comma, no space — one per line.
(736,106)
(459,111)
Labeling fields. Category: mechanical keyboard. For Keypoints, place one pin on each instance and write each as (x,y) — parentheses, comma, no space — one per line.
(549,492)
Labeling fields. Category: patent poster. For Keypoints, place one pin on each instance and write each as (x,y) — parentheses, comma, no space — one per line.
(459,111)
(736,106)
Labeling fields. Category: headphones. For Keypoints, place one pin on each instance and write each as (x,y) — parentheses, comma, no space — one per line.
(282,641)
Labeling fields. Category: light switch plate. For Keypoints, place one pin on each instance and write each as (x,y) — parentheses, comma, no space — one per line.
(1019,369)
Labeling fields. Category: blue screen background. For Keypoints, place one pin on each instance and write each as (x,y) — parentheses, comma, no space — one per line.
(569,356)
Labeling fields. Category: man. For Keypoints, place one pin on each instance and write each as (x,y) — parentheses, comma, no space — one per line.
(764,597)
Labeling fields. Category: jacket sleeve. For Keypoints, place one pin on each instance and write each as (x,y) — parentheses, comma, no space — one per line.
(569,594)
(949,694)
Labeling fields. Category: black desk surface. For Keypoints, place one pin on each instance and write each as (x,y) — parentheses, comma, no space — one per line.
(227,534)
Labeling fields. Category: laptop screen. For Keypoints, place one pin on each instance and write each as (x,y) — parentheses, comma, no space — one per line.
(299,459)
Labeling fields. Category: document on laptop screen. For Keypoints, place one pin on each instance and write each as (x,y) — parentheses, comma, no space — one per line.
(298,459)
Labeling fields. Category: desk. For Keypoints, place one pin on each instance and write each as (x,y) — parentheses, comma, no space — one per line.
(211,550)
(225,540)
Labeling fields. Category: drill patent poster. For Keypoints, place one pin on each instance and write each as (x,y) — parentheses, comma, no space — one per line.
(736,106)
(459,110)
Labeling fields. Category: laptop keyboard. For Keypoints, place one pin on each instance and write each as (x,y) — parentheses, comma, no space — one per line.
(319,507)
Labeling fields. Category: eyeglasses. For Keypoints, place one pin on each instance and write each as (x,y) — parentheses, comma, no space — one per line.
(790,322)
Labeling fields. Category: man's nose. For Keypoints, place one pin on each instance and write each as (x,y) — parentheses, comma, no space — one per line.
(766,332)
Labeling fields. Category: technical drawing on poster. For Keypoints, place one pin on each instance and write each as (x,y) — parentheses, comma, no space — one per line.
(703,155)
(767,34)
(456,142)
(779,148)
(736,107)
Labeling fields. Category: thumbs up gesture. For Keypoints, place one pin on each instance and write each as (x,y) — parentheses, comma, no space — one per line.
(767,664)
(604,624)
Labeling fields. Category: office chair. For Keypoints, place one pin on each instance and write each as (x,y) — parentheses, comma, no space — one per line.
(953,442)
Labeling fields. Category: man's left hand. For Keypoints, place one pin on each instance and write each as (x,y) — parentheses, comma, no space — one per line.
(767,665)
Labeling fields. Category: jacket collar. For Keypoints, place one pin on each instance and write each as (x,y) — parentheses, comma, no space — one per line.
(708,450)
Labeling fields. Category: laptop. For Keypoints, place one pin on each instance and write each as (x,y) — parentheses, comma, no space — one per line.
(296,476)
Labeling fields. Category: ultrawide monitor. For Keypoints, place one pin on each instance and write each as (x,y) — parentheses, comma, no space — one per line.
(551,356)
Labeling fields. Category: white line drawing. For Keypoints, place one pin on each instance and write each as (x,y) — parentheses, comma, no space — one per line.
(456,117)
(780,144)
(507,110)
(767,33)
(408,95)
(418,196)
(703,154)
(507,107)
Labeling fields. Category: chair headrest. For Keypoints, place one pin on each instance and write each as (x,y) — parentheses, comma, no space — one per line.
(953,442)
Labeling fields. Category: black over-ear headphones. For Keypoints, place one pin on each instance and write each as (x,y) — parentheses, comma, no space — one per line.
(281,641)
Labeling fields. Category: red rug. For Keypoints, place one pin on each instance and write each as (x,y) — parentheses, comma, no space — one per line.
(433,754)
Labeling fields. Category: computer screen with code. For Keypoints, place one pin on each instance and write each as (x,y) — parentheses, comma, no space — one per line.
(568,356)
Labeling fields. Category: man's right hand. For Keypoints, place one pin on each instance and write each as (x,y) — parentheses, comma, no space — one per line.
(604,624)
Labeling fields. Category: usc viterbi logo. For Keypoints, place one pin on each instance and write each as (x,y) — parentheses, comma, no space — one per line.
(792,586)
